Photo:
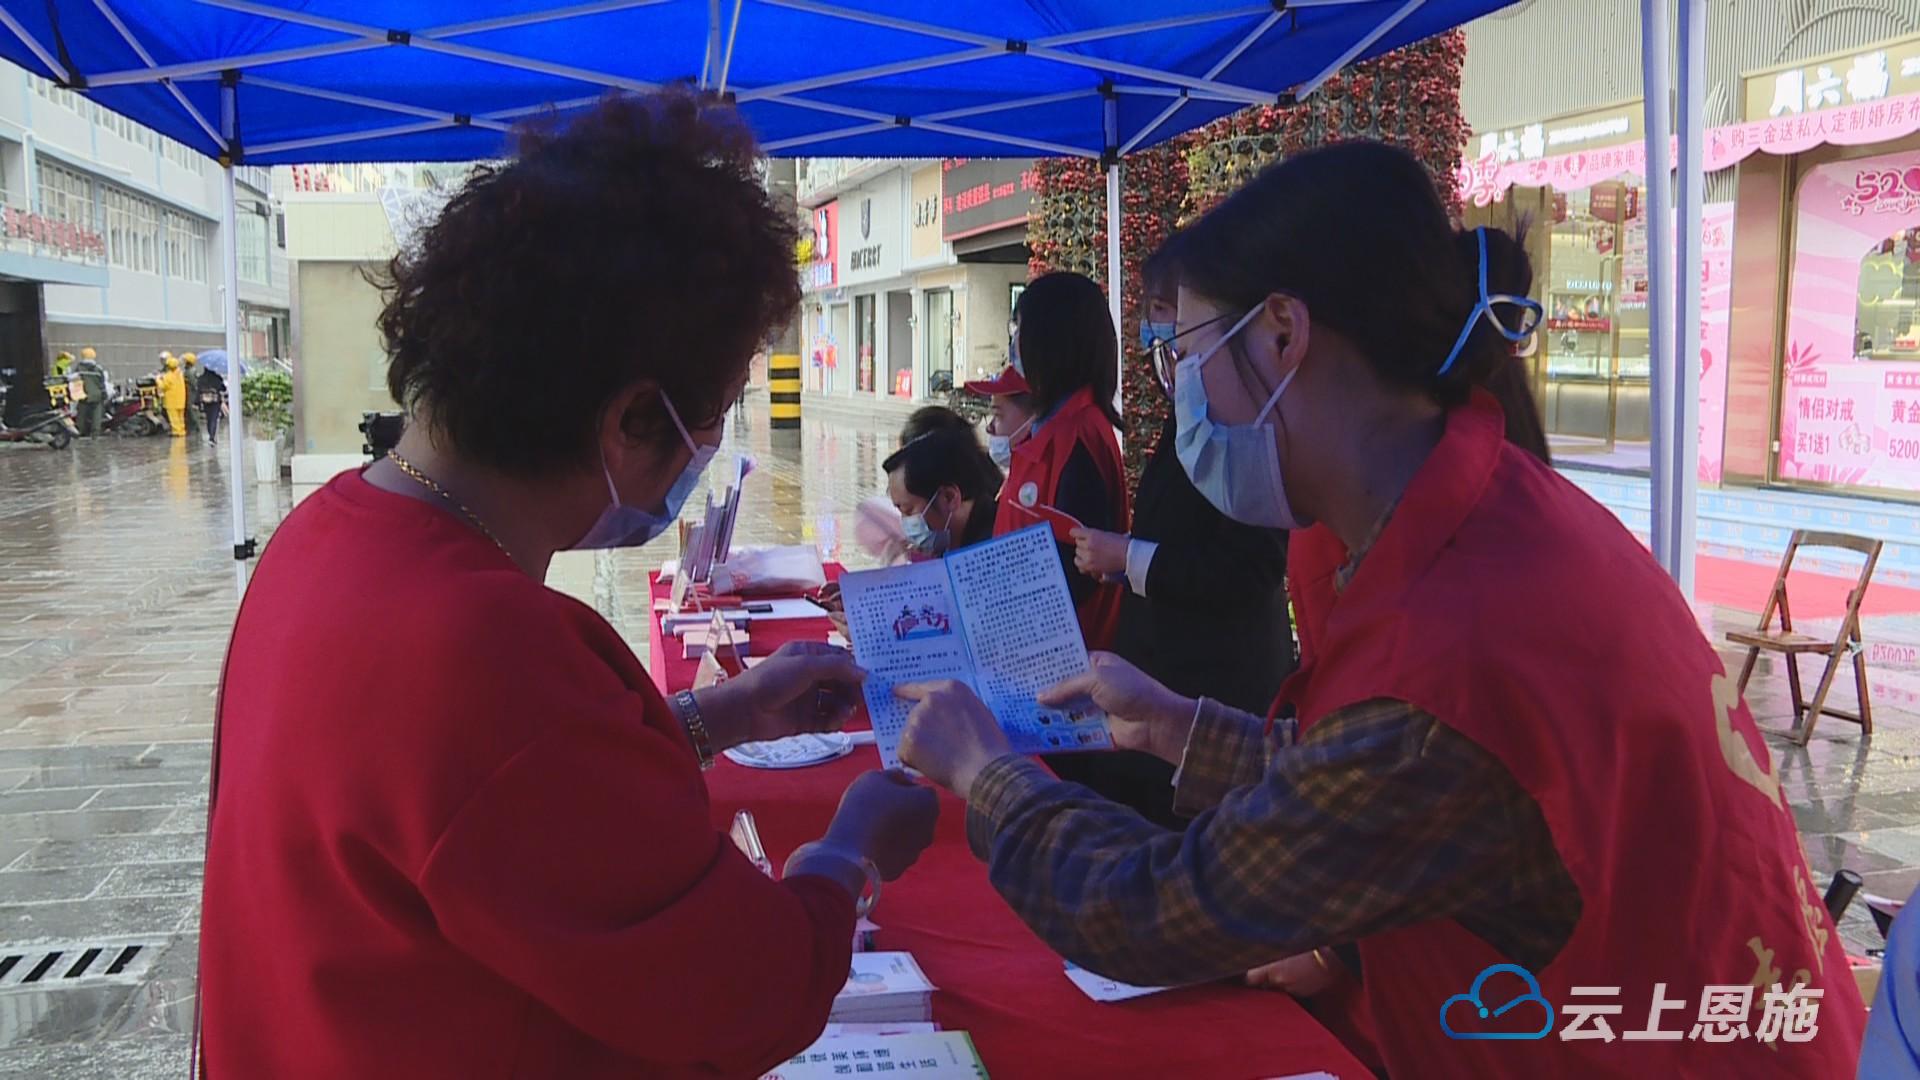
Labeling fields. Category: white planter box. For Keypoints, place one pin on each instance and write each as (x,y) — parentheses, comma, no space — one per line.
(266,461)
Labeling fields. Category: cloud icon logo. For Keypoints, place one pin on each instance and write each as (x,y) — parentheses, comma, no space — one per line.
(1482,1015)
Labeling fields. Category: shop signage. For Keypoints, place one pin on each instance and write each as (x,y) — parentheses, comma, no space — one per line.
(872,231)
(1883,191)
(1587,130)
(982,194)
(866,256)
(1591,326)
(823,272)
(923,238)
(1487,179)
(62,236)
(1875,74)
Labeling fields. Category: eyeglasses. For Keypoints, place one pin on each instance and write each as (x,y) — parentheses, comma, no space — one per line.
(1166,355)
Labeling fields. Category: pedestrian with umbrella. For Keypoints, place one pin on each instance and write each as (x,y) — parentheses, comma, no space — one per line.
(211,390)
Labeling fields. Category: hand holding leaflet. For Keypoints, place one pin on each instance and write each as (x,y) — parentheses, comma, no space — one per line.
(995,617)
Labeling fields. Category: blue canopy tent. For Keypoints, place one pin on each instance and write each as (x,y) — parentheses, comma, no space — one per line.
(262,82)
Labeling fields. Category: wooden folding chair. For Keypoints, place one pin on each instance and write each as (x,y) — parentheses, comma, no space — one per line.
(1791,644)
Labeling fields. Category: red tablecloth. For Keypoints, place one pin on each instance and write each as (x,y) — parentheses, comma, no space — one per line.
(997,980)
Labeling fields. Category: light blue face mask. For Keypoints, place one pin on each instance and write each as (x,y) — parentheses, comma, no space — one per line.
(924,537)
(1237,466)
(620,525)
(1151,332)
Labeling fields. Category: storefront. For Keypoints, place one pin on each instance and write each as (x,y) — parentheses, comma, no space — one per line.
(1841,371)
(1591,364)
(985,204)
(877,354)
(1794,250)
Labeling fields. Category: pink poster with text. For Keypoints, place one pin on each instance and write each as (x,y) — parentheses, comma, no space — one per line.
(1716,292)
(1846,419)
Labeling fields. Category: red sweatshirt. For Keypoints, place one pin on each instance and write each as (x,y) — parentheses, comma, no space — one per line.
(457,833)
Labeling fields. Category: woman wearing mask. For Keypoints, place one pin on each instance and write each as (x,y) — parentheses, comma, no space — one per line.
(1068,468)
(944,485)
(1009,413)
(451,797)
(1205,610)
(1510,744)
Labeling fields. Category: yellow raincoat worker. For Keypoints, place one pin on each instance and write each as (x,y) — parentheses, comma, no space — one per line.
(173,395)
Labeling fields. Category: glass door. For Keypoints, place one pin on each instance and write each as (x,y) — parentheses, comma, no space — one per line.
(939,340)
(1592,363)
(864,334)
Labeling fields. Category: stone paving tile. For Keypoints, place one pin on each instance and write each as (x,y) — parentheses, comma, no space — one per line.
(116,597)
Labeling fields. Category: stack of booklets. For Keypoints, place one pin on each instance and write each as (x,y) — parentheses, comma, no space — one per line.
(933,1055)
(883,987)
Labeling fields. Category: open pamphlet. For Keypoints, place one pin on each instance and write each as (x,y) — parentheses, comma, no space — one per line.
(996,616)
(933,1055)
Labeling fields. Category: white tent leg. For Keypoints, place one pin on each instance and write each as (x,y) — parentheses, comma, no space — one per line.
(1654,55)
(236,413)
(1114,222)
(1692,180)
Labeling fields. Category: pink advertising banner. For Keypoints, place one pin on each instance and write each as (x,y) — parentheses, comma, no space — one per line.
(1716,292)
(1487,179)
(1845,419)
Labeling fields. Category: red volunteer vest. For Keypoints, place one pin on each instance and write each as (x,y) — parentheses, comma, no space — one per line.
(1519,612)
(1035,470)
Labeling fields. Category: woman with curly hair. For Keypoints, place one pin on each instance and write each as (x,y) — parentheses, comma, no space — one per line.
(456,831)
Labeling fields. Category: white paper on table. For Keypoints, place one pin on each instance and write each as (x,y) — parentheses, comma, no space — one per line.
(1101,988)
(835,637)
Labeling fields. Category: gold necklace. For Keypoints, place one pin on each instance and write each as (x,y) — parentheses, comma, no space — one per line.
(427,482)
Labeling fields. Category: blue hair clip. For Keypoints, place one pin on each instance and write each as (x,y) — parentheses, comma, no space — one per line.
(1529,311)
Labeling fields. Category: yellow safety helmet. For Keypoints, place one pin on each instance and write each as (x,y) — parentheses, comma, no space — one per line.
(87,353)
(63,355)
(190,359)
(172,364)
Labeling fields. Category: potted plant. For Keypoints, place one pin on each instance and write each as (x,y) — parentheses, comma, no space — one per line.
(267,397)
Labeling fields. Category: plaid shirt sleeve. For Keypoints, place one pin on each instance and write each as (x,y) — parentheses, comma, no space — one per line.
(1379,817)
(1226,749)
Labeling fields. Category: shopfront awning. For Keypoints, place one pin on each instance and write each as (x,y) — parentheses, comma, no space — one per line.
(1487,179)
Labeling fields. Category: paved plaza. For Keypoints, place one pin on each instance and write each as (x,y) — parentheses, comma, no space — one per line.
(116,594)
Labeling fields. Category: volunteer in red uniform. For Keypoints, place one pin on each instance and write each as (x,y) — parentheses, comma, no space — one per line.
(456,832)
(1069,468)
(1009,413)
(1512,770)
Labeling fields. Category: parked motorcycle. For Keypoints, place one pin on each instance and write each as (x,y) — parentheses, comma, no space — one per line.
(49,428)
(135,412)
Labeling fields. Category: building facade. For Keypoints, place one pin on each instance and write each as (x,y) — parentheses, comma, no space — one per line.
(898,304)
(111,238)
(1810,355)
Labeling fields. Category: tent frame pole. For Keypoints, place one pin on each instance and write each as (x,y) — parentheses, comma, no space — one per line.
(243,547)
(1110,162)
(1655,58)
(1219,66)
(1366,42)
(1690,188)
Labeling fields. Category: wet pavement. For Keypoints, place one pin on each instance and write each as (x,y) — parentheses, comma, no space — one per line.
(117,590)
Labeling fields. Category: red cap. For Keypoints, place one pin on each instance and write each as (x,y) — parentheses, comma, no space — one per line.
(1009,381)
